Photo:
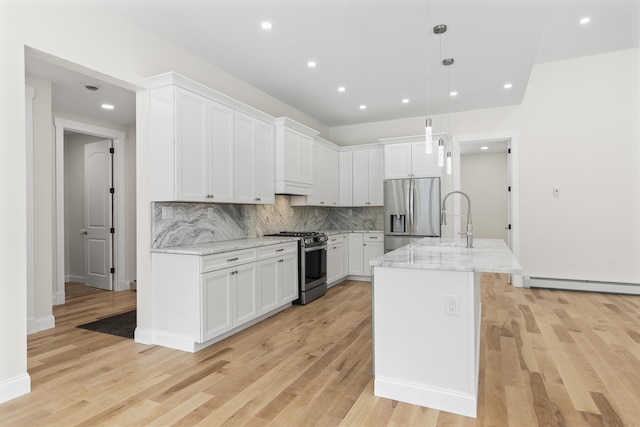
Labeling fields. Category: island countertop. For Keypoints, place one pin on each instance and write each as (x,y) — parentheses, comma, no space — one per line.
(433,253)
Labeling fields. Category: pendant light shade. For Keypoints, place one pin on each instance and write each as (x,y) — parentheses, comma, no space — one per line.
(441,152)
(428,131)
(448,162)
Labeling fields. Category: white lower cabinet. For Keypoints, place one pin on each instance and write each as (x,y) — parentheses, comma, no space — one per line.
(363,247)
(278,282)
(201,299)
(337,258)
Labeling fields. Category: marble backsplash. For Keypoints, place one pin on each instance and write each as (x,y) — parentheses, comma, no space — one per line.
(191,223)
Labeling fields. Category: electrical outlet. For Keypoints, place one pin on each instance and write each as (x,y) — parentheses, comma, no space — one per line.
(453,305)
(350,212)
(210,213)
(556,192)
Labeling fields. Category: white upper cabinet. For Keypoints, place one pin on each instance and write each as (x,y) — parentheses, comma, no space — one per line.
(294,157)
(409,159)
(345,178)
(207,147)
(368,177)
(188,132)
(325,177)
(254,160)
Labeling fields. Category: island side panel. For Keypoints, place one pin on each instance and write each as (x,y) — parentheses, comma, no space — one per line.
(423,355)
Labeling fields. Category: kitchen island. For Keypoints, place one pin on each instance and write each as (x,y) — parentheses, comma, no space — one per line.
(426,320)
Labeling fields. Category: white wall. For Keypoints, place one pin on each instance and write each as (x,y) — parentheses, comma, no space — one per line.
(579,131)
(67,30)
(484,178)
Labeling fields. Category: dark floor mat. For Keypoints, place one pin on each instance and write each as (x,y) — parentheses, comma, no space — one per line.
(121,325)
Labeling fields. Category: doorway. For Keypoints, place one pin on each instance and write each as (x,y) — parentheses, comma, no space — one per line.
(88,211)
(66,228)
(503,140)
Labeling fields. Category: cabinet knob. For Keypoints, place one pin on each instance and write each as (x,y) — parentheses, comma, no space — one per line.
(281,260)
(257,199)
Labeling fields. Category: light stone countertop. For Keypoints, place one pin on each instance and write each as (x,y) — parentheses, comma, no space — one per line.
(334,232)
(433,253)
(226,246)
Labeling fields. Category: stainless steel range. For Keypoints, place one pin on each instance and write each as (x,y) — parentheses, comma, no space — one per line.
(312,264)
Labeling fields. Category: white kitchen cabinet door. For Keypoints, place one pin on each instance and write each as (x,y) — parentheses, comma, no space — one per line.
(220,156)
(294,157)
(332,178)
(268,287)
(368,177)
(254,161)
(215,303)
(360,175)
(397,161)
(333,262)
(345,178)
(288,278)
(245,285)
(356,254)
(371,250)
(376,177)
(423,164)
(191,150)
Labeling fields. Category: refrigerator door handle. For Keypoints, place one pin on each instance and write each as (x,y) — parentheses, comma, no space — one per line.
(410,202)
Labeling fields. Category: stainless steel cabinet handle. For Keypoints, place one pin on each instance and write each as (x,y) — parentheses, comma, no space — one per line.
(373,237)
(233,259)
(257,199)
(281,260)
(280,250)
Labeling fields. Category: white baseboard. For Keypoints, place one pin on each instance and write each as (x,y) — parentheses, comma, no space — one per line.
(15,387)
(582,285)
(72,278)
(40,324)
(428,397)
(58,298)
(359,278)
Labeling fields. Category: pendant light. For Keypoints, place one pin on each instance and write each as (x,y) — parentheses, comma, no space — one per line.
(448,162)
(439,30)
(440,152)
(428,134)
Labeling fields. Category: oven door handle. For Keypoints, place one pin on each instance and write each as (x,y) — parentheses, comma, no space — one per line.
(316,248)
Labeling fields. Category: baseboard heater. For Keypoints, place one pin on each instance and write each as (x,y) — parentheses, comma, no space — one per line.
(582,285)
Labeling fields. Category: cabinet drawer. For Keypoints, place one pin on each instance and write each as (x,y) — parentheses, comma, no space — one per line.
(338,238)
(276,250)
(226,259)
(373,237)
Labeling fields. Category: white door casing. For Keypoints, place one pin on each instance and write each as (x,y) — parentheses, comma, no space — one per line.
(98,214)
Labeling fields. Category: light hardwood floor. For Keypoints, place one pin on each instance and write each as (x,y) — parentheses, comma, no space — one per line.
(548,358)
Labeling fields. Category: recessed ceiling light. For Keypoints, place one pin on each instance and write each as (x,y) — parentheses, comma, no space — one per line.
(484,148)
(266,25)
(311,64)
(585,20)
(363,107)
(405,101)
(107,106)
(341,89)
(453,93)
(508,86)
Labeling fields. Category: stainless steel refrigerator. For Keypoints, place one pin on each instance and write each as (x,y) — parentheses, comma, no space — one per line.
(411,210)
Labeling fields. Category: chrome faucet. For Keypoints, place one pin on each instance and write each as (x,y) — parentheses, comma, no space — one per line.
(443,217)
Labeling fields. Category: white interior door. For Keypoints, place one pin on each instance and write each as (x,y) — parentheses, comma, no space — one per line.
(97,214)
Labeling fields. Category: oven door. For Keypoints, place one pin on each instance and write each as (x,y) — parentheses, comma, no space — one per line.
(314,267)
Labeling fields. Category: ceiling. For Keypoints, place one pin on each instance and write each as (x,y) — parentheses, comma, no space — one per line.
(381,51)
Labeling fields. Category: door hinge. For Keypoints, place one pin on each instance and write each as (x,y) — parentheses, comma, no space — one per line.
(113,270)
(509,188)
(112,230)
(509,226)
(112,190)
(508,150)
(112,150)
